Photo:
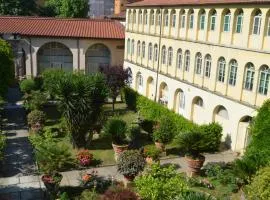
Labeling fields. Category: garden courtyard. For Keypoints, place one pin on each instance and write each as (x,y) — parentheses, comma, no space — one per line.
(89,137)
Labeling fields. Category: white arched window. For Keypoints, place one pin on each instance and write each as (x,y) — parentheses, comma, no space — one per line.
(158,18)
(143,49)
(163,56)
(140,17)
(202,20)
(233,72)
(257,21)
(264,80)
(139,49)
(128,46)
(166,19)
(152,18)
(239,21)
(208,63)
(183,19)
(227,22)
(249,77)
(191,19)
(268,27)
(156,53)
(179,59)
(213,20)
(181,100)
(150,51)
(145,18)
(187,60)
(132,47)
(139,82)
(221,70)
(198,63)
(134,17)
(170,56)
(173,19)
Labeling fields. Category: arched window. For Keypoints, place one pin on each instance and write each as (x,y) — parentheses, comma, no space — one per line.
(139,82)
(143,49)
(139,49)
(264,80)
(156,53)
(152,18)
(239,21)
(129,17)
(128,46)
(221,69)
(170,56)
(145,16)
(158,18)
(257,21)
(227,21)
(249,76)
(198,63)
(132,47)
(173,18)
(268,27)
(208,62)
(213,18)
(183,19)
(198,101)
(166,18)
(140,17)
(202,20)
(134,17)
(181,99)
(187,60)
(179,59)
(191,19)
(163,57)
(233,72)
(150,51)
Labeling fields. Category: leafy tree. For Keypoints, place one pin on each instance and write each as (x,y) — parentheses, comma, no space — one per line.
(116,78)
(18,7)
(66,8)
(6,66)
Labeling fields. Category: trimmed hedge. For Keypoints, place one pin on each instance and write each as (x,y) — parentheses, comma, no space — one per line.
(151,110)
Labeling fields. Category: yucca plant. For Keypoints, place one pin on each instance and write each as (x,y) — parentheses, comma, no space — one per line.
(195,196)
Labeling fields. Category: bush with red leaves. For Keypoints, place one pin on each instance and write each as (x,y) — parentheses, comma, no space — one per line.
(119,193)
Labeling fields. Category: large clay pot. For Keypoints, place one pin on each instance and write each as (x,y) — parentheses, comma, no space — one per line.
(51,185)
(160,146)
(118,149)
(194,165)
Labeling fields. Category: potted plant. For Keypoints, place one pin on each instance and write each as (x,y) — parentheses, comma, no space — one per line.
(84,157)
(117,129)
(151,154)
(130,164)
(36,120)
(164,132)
(193,145)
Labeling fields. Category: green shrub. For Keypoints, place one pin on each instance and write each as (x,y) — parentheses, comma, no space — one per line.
(194,196)
(160,183)
(130,97)
(34,101)
(212,134)
(165,130)
(2,145)
(117,129)
(259,188)
(130,163)
(152,152)
(27,86)
(148,125)
(133,132)
(36,117)
(89,195)
(53,157)
(212,169)
(119,193)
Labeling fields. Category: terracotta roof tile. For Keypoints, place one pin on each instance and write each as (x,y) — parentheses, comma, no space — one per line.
(194,2)
(57,27)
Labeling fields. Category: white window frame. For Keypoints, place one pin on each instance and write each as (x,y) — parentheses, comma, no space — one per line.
(233,73)
(179,59)
(227,24)
(239,25)
(163,55)
(174,20)
(156,53)
(152,19)
(158,19)
(264,81)
(128,46)
(187,61)
(143,49)
(140,18)
(170,56)
(198,63)
(191,21)
(139,49)
(249,77)
(208,63)
(202,21)
(134,17)
(213,21)
(181,100)
(257,27)
(183,20)
(132,47)
(166,20)
(221,70)
(150,52)
(145,18)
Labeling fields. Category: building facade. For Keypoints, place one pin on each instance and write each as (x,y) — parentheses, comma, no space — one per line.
(68,44)
(206,60)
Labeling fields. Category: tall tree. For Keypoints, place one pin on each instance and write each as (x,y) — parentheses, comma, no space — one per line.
(66,8)
(6,66)
(18,7)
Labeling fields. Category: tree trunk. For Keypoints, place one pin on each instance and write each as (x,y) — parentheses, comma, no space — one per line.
(113,103)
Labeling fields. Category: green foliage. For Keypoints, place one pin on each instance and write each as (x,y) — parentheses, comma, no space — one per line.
(148,125)
(64,196)
(194,196)
(6,65)
(89,195)
(119,193)
(117,129)
(152,152)
(212,134)
(27,85)
(36,117)
(165,130)
(81,98)
(2,102)
(130,163)
(151,110)
(259,188)
(18,7)
(133,132)
(2,145)
(66,8)
(53,157)
(34,101)
(160,183)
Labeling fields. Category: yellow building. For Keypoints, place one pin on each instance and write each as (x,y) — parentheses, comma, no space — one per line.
(206,60)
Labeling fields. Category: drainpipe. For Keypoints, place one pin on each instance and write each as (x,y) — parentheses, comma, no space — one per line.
(159,47)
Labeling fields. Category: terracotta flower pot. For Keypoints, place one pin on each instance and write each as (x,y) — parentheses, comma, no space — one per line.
(118,149)
(52,183)
(194,165)
(149,160)
(160,146)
